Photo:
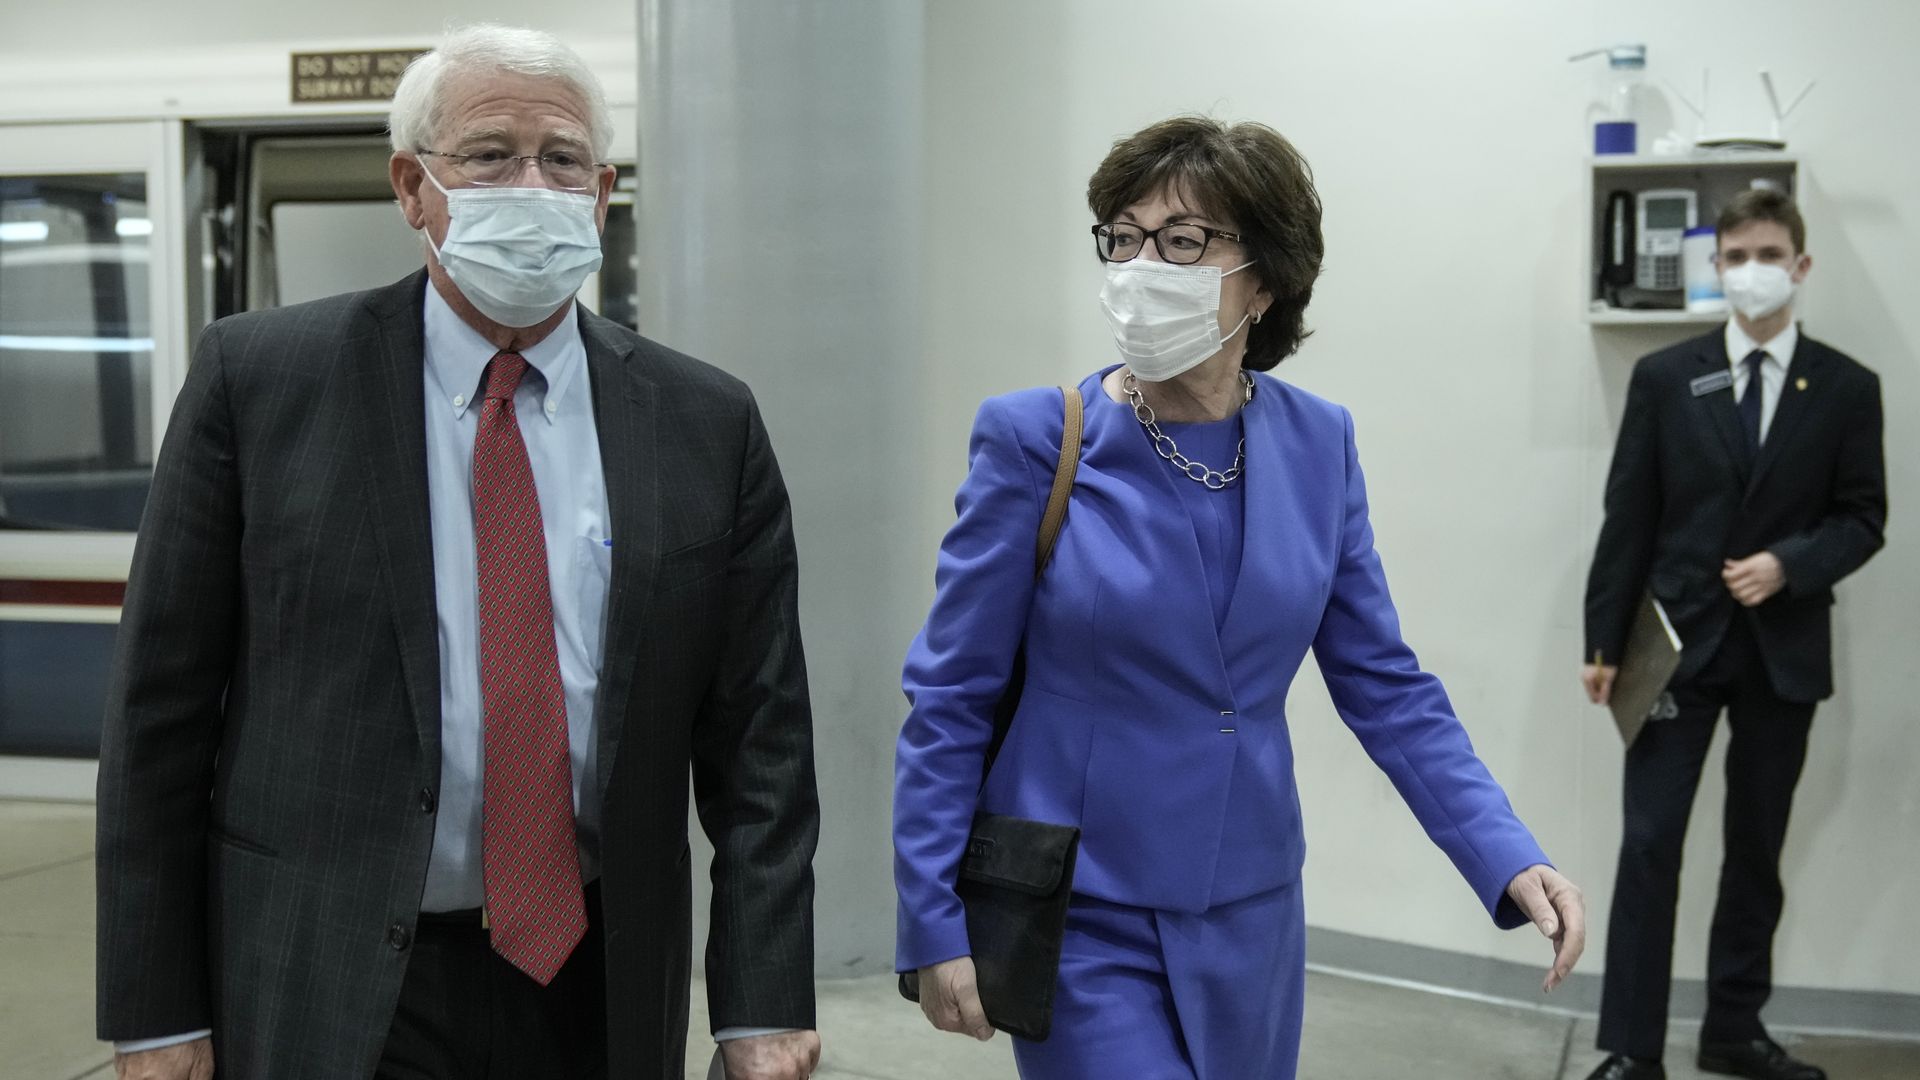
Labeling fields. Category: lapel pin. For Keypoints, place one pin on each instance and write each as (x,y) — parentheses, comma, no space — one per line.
(1799,384)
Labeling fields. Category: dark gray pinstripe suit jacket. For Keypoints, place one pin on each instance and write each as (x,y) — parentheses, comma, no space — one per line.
(272,736)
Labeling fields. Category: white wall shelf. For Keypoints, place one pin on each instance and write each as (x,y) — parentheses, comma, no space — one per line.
(1717,159)
(1637,317)
(1716,175)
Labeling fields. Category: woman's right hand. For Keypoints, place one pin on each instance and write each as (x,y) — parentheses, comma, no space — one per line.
(951,1000)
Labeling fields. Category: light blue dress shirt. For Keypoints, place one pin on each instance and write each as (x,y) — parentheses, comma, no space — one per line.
(555,408)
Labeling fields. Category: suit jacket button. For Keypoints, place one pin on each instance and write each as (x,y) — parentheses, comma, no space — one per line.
(398,937)
(426,800)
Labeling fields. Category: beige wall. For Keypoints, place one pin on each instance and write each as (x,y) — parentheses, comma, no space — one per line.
(137,26)
(1449,145)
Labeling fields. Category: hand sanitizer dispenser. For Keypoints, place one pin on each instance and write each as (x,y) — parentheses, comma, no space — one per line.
(1615,131)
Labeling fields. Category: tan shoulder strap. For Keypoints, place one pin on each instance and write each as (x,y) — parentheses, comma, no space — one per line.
(1063,474)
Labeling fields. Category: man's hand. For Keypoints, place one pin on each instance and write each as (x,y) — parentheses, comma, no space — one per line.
(786,1055)
(182,1061)
(1598,680)
(951,1000)
(1754,579)
(1558,910)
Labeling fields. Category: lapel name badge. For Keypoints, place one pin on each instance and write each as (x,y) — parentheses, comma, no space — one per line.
(1707,384)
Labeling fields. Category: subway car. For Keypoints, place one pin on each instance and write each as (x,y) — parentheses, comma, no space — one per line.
(138,203)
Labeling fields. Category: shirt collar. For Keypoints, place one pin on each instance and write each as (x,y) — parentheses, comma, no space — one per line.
(1779,350)
(458,357)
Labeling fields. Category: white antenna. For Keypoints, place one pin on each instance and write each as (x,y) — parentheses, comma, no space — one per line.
(1699,111)
(1779,114)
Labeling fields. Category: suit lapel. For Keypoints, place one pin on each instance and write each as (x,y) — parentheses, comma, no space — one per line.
(624,403)
(1258,516)
(1802,371)
(385,367)
(1719,405)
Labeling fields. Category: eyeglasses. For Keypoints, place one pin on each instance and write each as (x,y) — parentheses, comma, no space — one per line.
(1182,243)
(495,167)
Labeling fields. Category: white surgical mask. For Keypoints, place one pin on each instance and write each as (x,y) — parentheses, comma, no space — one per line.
(517,253)
(1165,318)
(1756,289)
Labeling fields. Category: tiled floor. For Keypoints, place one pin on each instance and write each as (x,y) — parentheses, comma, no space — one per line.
(1355,1030)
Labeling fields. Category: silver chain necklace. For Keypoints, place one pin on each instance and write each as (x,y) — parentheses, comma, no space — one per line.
(1164,445)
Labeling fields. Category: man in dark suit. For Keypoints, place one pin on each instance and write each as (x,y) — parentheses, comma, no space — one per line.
(1747,480)
(442,592)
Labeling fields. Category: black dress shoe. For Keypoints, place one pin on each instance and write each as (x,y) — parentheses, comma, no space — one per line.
(1760,1059)
(1622,1067)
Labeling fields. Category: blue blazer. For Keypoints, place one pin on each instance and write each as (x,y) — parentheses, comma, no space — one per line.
(1163,737)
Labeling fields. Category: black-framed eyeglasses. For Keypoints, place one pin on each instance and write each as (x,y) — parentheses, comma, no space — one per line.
(488,168)
(1180,243)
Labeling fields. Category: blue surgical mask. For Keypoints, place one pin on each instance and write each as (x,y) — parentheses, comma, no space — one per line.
(518,254)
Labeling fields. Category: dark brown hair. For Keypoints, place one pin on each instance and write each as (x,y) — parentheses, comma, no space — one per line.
(1246,175)
(1762,204)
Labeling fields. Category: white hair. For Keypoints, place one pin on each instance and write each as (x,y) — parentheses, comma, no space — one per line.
(419,108)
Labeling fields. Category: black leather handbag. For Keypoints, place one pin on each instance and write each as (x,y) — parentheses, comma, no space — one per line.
(1016,877)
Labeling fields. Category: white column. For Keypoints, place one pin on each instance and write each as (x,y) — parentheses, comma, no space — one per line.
(779,219)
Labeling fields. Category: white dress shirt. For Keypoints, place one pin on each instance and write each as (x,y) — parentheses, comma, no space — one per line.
(1773,370)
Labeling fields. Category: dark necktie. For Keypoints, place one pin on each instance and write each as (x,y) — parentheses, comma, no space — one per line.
(1750,401)
(535,904)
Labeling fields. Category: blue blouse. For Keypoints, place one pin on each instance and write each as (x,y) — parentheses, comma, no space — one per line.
(1218,517)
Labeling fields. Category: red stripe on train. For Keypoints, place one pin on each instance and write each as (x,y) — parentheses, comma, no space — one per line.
(65,593)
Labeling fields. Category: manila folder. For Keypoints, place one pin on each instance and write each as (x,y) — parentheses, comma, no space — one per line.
(1653,652)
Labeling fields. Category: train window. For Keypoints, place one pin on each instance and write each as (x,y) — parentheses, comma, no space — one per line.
(322,248)
(321,218)
(619,284)
(76,352)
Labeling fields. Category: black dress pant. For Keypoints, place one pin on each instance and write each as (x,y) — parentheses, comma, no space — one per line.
(1767,748)
(467,1014)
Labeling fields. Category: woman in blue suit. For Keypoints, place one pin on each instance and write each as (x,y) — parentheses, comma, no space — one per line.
(1217,530)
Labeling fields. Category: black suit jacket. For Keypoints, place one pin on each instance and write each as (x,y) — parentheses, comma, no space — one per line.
(272,742)
(1683,497)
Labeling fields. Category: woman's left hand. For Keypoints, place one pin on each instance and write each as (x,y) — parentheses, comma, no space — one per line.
(1557,908)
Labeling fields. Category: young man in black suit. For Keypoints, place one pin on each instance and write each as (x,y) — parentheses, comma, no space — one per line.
(1747,480)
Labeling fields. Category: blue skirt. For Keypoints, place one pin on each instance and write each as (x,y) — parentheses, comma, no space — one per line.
(1159,995)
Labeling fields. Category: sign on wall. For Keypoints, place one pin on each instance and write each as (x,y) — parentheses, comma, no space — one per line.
(349,76)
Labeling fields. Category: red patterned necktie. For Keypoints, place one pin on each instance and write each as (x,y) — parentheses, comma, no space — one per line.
(535,906)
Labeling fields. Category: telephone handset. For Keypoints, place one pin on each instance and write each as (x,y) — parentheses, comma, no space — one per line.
(1617,244)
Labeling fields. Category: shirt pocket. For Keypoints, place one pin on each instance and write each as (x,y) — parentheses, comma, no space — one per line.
(593,575)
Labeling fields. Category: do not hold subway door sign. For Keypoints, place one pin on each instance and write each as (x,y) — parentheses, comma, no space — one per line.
(358,75)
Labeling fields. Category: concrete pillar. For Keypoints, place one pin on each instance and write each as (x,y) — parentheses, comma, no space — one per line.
(779,224)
